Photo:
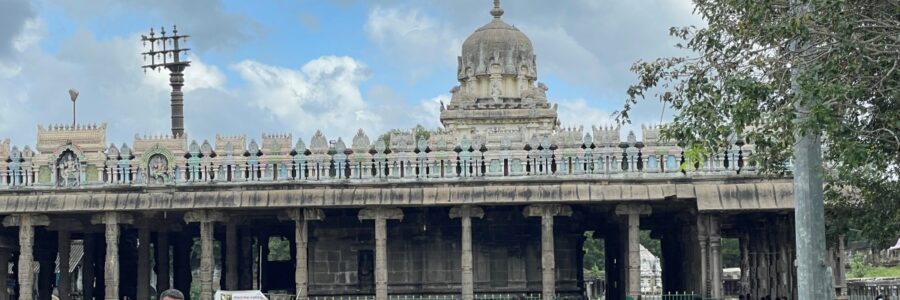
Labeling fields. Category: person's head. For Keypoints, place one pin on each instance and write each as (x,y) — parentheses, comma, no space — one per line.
(171,294)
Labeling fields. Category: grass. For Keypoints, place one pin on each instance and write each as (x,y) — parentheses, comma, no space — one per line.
(874,272)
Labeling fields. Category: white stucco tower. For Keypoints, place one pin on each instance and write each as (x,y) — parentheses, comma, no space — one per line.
(498,89)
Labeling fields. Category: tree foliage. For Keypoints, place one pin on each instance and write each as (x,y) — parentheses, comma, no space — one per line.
(736,83)
(420,131)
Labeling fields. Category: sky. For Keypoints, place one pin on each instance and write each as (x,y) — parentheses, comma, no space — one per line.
(295,67)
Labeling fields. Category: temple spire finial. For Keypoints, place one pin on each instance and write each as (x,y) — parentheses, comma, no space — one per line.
(497,11)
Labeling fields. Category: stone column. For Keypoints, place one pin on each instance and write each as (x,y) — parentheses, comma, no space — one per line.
(111,267)
(5,254)
(181,261)
(87,266)
(301,216)
(26,223)
(207,220)
(231,254)
(64,246)
(246,277)
(715,258)
(162,261)
(548,258)
(703,240)
(380,215)
(47,272)
(143,263)
(465,214)
(632,214)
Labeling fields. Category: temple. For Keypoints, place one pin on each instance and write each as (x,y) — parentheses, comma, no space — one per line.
(495,205)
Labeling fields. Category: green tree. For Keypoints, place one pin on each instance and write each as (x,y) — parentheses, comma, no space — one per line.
(594,255)
(736,83)
(421,133)
(652,245)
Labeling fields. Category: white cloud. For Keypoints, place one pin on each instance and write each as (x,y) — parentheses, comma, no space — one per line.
(412,39)
(579,112)
(323,94)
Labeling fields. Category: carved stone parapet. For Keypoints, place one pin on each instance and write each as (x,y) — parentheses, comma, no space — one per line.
(383,213)
(553,210)
(466,211)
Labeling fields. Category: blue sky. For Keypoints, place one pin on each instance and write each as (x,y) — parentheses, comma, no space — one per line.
(298,66)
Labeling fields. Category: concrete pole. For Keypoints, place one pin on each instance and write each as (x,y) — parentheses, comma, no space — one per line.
(143,263)
(64,249)
(231,261)
(809,196)
(26,258)
(162,261)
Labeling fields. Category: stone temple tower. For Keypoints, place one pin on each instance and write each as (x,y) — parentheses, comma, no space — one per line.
(497,91)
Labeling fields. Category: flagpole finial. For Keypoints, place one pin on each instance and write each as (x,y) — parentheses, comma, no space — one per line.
(497,11)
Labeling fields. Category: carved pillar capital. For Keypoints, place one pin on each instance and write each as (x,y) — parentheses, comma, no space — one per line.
(26,219)
(380,213)
(303,214)
(111,218)
(633,209)
(204,216)
(551,210)
(466,211)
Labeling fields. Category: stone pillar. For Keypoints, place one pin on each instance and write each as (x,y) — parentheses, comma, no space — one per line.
(380,215)
(715,258)
(465,214)
(46,274)
(87,266)
(181,261)
(231,254)
(246,277)
(548,258)
(26,223)
(5,254)
(207,220)
(6,250)
(64,243)
(143,263)
(632,214)
(162,261)
(301,216)
(111,267)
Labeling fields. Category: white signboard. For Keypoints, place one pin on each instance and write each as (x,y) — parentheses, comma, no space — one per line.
(239,295)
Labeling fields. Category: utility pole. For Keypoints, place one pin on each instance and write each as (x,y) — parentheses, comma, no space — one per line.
(813,279)
(165,52)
